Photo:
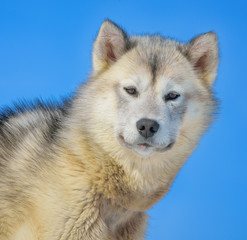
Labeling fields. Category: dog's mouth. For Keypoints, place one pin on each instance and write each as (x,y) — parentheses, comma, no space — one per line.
(144,147)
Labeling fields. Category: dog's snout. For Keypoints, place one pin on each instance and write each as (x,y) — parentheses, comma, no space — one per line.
(147,127)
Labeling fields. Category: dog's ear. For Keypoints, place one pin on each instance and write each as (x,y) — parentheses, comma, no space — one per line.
(203,54)
(109,46)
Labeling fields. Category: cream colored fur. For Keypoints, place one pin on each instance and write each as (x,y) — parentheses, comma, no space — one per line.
(82,183)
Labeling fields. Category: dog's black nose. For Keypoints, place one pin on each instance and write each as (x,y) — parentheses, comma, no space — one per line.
(147,127)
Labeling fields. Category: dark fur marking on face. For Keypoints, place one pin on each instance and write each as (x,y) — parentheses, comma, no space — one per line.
(153,62)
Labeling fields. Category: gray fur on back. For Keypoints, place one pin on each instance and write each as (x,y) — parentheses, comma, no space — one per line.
(36,122)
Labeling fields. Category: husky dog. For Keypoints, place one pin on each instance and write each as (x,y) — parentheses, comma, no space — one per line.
(90,167)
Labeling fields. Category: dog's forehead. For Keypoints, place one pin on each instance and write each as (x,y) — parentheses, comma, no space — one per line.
(159,59)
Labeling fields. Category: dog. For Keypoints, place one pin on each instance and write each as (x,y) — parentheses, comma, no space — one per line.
(90,166)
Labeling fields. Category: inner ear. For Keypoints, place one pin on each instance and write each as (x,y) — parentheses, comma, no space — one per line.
(110,53)
(201,63)
(203,55)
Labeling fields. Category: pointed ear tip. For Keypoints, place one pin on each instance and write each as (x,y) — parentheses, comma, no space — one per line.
(212,35)
(109,25)
(212,32)
(107,21)
(209,37)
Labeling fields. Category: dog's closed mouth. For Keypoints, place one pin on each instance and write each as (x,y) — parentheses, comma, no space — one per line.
(143,146)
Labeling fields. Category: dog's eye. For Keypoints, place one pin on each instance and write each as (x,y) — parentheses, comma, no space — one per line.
(131,91)
(171,96)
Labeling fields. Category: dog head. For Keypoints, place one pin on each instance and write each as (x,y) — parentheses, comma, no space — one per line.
(147,91)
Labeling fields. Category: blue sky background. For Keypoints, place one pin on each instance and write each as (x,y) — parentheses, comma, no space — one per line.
(45,51)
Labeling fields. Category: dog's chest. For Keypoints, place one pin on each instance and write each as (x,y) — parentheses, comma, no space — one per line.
(115,216)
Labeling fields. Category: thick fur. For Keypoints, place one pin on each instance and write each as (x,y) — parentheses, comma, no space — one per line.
(80,169)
